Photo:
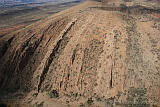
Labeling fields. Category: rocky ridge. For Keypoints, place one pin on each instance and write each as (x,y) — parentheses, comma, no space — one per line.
(94,54)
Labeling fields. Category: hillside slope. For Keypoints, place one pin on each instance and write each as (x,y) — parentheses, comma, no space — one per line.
(94,54)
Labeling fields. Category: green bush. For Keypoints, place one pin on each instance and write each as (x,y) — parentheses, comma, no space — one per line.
(89,101)
(75,95)
(54,94)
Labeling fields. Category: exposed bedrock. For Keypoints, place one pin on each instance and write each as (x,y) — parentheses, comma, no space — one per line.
(87,55)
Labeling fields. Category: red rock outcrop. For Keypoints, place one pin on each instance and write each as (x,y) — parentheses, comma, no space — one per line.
(87,55)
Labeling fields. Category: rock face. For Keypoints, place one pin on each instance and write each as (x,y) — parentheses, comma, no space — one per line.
(94,54)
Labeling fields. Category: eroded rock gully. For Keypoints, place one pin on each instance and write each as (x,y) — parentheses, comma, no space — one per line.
(86,55)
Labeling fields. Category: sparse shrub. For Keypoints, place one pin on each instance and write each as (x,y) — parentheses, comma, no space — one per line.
(75,95)
(98,99)
(119,94)
(39,105)
(54,94)
(89,101)
(81,105)
(123,7)
(35,94)
(110,101)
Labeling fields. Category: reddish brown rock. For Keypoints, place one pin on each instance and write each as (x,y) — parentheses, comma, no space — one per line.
(87,55)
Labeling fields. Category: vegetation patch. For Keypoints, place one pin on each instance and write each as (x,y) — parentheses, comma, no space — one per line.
(90,101)
(54,94)
(136,97)
(75,95)
(3,105)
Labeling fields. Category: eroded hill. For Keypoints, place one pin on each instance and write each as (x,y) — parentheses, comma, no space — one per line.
(94,54)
